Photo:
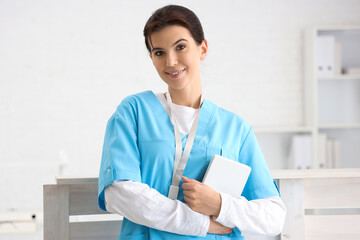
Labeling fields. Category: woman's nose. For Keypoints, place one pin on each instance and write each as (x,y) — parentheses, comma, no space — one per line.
(171,60)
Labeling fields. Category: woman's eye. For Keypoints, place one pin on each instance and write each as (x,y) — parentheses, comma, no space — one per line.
(159,53)
(180,47)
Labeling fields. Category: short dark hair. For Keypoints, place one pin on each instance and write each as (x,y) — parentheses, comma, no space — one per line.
(173,15)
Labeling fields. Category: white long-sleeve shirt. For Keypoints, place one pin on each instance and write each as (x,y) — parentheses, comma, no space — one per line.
(146,206)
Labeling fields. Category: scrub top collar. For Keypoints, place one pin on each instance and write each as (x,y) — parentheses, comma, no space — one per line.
(206,114)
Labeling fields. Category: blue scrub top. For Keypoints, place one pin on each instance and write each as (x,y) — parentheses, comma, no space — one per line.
(139,145)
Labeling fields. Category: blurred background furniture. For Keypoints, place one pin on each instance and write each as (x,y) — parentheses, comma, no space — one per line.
(71,212)
(321,204)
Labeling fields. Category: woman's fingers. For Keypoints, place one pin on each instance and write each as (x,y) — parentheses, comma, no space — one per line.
(200,197)
(188,194)
(217,228)
(189,180)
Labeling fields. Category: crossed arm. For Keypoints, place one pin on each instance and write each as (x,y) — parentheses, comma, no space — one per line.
(205,211)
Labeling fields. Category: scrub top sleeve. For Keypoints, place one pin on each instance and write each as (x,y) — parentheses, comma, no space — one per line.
(120,157)
(260,183)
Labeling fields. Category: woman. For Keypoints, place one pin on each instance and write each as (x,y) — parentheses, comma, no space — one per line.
(157,148)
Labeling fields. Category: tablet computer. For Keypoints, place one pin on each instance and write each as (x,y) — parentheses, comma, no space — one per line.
(226,175)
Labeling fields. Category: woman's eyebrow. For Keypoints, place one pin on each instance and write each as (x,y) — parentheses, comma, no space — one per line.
(182,39)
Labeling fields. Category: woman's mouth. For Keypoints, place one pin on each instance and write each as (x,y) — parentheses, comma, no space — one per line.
(175,74)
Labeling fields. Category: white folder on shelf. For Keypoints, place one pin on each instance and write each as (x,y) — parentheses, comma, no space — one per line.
(301,151)
(329,154)
(325,55)
(333,153)
(227,176)
(337,59)
(322,150)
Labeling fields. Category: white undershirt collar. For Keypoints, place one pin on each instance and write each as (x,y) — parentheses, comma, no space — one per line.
(184,115)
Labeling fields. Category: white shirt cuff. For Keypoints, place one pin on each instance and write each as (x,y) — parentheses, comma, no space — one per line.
(224,211)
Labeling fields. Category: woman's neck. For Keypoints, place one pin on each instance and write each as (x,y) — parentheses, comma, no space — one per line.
(186,97)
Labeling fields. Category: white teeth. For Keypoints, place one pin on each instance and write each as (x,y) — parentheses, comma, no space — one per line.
(175,73)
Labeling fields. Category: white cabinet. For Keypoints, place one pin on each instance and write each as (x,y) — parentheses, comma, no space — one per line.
(336,98)
(331,105)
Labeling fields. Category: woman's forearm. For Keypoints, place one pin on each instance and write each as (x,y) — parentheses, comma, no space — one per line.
(262,216)
(143,205)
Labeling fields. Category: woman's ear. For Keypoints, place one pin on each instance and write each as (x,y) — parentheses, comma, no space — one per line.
(203,49)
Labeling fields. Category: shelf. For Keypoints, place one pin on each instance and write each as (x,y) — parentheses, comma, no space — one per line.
(330,106)
(316,173)
(339,125)
(332,28)
(283,129)
(340,77)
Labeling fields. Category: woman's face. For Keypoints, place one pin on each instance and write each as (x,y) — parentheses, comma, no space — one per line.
(176,57)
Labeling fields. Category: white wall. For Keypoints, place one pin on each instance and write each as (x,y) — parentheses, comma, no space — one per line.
(66,65)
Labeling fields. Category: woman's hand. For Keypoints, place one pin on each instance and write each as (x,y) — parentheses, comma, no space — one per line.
(218,228)
(201,198)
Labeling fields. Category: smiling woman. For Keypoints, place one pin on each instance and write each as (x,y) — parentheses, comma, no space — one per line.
(175,40)
(147,174)
(176,57)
